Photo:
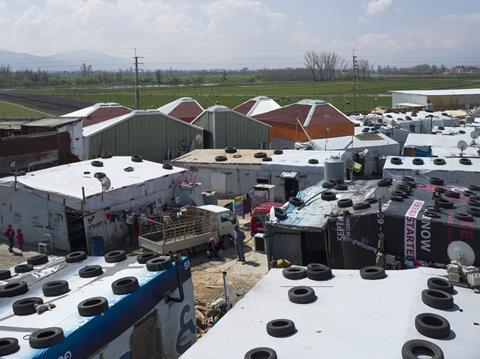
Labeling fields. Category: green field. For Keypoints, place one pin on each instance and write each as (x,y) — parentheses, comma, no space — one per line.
(10,110)
(372,92)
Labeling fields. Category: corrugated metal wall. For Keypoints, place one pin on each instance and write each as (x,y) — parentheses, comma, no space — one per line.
(154,136)
(231,129)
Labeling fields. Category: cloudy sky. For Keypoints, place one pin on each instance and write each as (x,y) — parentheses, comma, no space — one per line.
(246,33)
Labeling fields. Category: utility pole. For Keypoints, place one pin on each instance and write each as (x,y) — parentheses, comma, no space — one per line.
(137,93)
(355,68)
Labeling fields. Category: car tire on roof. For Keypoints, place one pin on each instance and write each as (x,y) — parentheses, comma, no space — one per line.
(5,274)
(37,260)
(230,149)
(319,272)
(452,194)
(46,337)
(145,257)
(474,211)
(278,152)
(384,182)
(341,187)
(280,213)
(259,154)
(125,285)
(261,352)
(8,346)
(295,201)
(445,203)
(92,306)
(23,268)
(90,271)
(411,349)
(437,299)
(267,159)
(115,256)
(13,289)
(137,158)
(344,203)
(373,272)
(396,161)
(26,306)
(361,205)
(329,196)
(159,263)
(301,295)
(294,273)
(281,328)
(97,163)
(55,288)
(75,257)
(432,325)
(167,166)
(436,181)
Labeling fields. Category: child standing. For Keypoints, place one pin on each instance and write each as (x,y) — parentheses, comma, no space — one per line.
(19,239)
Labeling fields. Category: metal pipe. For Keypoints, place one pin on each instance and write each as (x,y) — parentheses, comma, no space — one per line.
(225,290)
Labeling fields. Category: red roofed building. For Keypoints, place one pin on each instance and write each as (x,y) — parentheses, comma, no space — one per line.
(185,109)
(304,120)
(99,112)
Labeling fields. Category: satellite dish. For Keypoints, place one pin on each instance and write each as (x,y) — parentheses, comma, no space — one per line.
(199,139)
(461,252)
(462,145)
(106,184)
(12,164)
(474,134)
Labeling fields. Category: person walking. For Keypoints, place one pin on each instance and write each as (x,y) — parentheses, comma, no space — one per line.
(238,237)
(20,240)
(10,234)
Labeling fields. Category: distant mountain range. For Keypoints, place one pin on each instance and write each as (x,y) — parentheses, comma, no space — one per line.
(67,61)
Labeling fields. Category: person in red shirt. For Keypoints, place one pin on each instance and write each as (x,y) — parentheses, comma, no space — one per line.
(10,234)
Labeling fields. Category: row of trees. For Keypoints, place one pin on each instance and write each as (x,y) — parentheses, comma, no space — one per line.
(324,66)
(329,66)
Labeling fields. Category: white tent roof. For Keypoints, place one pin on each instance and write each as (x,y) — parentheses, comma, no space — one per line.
(67,181)
(440,92)
(357,141)
(350,318)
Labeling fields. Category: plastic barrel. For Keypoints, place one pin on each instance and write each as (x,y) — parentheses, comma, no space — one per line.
(97,246)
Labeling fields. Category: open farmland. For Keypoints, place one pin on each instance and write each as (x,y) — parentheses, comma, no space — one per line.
(372,92)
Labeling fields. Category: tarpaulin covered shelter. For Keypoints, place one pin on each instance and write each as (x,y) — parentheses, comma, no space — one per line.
(453,171)
(74,203)
(342,227)
(368,147)
(236,173)
(305,120)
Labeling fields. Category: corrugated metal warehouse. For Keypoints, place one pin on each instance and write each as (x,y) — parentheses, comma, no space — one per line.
(225,127)
(440,99)
(151,134)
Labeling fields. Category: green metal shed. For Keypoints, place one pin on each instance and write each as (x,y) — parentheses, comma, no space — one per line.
(152,134)
(225,127)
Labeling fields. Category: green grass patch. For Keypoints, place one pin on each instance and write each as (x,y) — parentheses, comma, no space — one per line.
(10,110)
(372,92)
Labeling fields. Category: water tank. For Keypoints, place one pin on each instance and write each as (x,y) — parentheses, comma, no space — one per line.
(334,169)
